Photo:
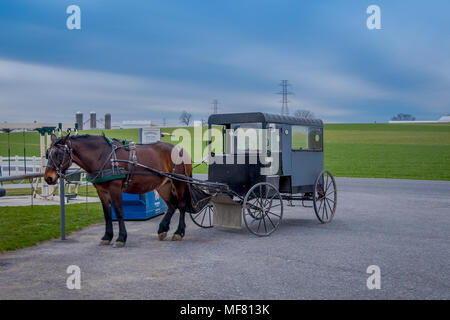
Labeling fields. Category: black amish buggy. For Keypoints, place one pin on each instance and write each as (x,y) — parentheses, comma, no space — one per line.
(264,159)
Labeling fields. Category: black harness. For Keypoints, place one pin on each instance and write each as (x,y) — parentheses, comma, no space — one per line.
(116,172)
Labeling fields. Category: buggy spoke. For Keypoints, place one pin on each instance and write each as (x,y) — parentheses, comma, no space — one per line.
(270,220)
(264,221)
(331,210)
(274,214)
(321,202)
(329,199)
(329,193)
(210,218)
(203,218)
(259,225)
(324,210)
(269,200)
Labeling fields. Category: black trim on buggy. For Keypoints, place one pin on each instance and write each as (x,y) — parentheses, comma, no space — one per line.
(250,117)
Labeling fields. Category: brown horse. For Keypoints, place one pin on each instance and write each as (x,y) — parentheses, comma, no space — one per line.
(94,154)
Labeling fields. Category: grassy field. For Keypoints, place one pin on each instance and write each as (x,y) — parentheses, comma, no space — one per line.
(32,140)
(405,151)
(27,226)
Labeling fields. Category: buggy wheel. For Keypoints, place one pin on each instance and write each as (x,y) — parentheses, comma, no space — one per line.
(325,196)
(262,209)
(204,218)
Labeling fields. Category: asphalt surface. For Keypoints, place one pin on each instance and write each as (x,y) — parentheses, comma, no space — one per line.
(402,226)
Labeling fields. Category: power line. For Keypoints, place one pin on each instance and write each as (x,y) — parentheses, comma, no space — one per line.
(284,94)
(215,103)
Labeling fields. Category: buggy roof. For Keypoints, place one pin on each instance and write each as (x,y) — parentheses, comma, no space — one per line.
(252,117)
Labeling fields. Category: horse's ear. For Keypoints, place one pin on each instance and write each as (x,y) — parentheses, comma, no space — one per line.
(53,137)
(64,141)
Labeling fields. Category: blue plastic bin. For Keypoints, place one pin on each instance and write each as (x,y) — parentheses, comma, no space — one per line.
(141,206)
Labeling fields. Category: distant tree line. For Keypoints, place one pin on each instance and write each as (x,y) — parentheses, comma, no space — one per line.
(403,117)
(303,114)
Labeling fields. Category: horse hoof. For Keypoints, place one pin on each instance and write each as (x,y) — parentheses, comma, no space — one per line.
(104,242)
(162,236)
(177,237)
(119,244)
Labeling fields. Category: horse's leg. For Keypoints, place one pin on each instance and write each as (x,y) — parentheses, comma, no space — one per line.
(179,234)
(116,199)
(109,233)
(106,204)
(181,191)
(166,193)
(165,222)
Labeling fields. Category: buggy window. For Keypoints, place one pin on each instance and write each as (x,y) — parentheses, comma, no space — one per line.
(306,138)
(247,138)
(250,138)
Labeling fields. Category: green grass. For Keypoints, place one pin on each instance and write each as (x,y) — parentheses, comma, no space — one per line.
(399,151)
(17,145)
(32,141)
(405,151)
(27,226)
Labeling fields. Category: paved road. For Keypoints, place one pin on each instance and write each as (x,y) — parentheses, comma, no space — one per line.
(402,226)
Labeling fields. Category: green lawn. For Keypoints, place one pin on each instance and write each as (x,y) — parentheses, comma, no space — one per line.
(403,151)
(32,140)
(27,226)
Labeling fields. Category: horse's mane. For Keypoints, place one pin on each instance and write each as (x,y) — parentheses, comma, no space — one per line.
(82,136)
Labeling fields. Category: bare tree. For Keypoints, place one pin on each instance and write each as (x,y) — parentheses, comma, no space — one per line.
(185,117)
(403,117)
(304,114)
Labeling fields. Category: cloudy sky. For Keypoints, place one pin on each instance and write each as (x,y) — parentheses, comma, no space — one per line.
(152,59)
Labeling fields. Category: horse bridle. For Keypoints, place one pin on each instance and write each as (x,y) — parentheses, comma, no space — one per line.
(67,158)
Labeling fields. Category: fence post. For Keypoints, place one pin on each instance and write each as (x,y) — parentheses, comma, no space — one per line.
(62,210)
(17,164)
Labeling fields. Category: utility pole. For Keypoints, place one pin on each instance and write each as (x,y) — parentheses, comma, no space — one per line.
(215,103)
(284,94)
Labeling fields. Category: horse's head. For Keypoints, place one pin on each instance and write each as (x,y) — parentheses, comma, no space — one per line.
(59,158)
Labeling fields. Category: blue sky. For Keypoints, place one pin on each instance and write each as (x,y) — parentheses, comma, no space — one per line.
(152,59)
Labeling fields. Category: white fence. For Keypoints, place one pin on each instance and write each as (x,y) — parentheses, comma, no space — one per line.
(17,165)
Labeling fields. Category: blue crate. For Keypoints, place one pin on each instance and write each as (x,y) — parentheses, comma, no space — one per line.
(141,206)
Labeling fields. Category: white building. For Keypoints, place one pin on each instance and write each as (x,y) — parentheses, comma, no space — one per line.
(132,124)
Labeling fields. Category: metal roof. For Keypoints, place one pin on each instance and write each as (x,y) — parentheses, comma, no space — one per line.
(252,117)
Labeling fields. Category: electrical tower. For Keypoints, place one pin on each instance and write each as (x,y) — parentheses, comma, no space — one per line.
(215,103)
(284,100)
